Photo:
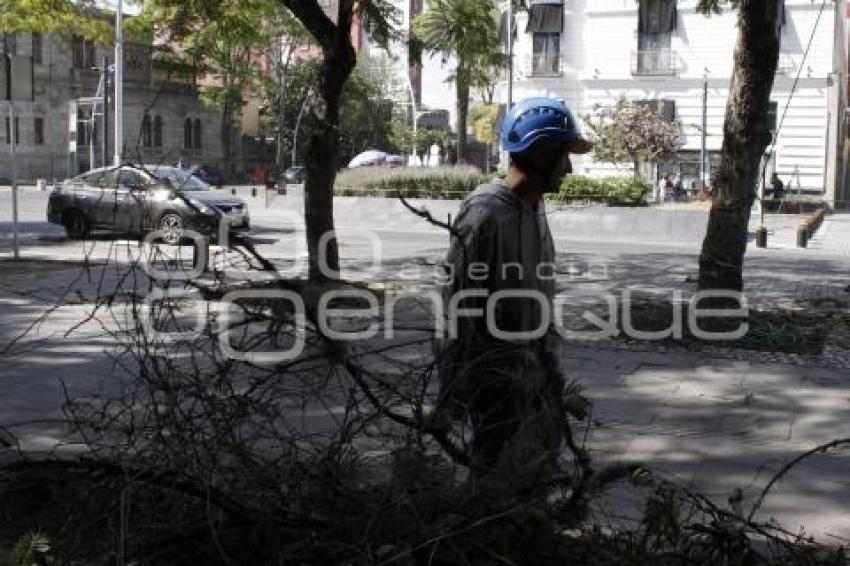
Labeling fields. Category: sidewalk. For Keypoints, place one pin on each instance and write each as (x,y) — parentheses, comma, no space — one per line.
(833,236)
(719,418)
(720,425)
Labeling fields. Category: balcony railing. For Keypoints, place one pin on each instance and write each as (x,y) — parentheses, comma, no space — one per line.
(787,64)
(654,62)
(545,65)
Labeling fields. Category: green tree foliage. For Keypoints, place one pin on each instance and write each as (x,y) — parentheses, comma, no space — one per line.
(366,120)
(281,102)
(630,132)
(402,138)
(365,114)
(57,17)
(221,41)
(467,30)
(33,549)
(485,123)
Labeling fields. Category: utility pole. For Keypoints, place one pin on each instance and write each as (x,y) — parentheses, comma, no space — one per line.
(281,105)
(510,103)
(13,139)
(414,113)
(703,154)
(119,83)
(298,126)
(104,77)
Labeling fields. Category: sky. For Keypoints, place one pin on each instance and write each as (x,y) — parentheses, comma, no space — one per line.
(130,7)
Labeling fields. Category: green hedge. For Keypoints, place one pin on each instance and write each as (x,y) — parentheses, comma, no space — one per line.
(457,182)
(410,182)
(613,191)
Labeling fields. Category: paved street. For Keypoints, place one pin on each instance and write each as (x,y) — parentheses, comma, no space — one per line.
(717,418)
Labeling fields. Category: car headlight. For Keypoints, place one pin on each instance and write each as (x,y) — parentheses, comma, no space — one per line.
(202,208)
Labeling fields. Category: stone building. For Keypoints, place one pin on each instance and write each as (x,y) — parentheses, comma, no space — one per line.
(44,80)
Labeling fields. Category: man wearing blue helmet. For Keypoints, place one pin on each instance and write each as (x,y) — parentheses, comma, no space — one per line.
(501,247)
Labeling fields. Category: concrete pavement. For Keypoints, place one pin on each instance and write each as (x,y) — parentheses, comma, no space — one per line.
(833,236)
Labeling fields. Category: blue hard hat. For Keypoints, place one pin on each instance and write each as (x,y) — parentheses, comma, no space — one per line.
(533,119)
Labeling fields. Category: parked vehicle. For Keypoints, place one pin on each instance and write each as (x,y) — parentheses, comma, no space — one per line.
(130,200)
(295,174)
(208,174)
(395,161)
(369,158)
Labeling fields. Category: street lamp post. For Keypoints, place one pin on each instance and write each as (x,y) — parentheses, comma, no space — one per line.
(503,155)
(298,126)
(13,139)
(414,112)
(703,153)
(510,24)
(119,83)
(104,77)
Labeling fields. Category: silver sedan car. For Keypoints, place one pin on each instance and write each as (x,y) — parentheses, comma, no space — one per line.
(137,200)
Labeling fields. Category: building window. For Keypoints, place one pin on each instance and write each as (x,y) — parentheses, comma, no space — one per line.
(772,117)
(38,128)
(9,131)
(146,131)
(546,23)
(197,133)
(78,51)
(546,57)
(36,49)
(82,129)
(157,131)
(545,17)
(83,53)
(664,108)
(657,20)
(187,133)
(10,44)
(86,130)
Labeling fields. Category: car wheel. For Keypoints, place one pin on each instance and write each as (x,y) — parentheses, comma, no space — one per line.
(171,225)
(76,225)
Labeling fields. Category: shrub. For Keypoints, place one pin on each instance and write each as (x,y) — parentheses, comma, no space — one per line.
(613,191)
(410,182)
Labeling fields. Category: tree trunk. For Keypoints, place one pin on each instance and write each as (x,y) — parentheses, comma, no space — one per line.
(227,139)
(745,137)
(282,68)
(226,136)
(280,150)
(322,161)
(462,90)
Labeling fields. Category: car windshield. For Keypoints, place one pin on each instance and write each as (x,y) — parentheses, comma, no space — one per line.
(180,178)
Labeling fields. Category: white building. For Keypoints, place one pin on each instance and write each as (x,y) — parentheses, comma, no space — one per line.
(591,52)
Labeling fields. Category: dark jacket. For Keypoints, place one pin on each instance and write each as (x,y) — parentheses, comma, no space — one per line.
(496,229)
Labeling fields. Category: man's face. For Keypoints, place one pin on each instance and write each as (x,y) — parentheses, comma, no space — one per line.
(552,161)
(563,168)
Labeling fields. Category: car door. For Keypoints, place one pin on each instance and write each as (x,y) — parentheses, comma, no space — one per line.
(106,199)
(133,200)
(87,196)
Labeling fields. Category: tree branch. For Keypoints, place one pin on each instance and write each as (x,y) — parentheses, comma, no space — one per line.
(311,15)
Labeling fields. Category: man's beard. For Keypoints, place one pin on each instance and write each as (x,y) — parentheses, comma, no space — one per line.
(551,182)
